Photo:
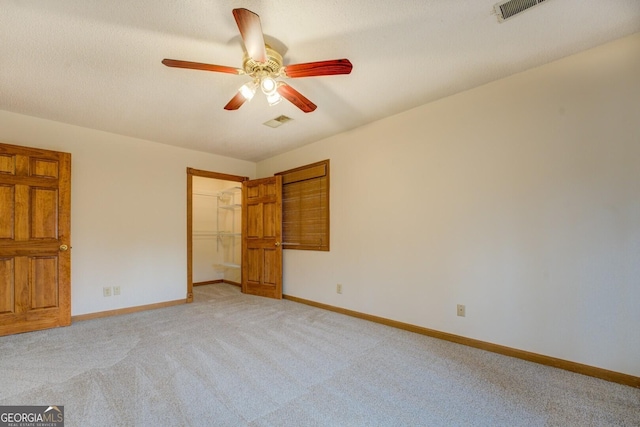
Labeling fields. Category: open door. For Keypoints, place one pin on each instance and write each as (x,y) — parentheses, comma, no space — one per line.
(262,237)
(35,258)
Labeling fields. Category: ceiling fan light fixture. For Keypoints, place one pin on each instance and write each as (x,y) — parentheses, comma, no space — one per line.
(274,98)
(268,85)
(248,90)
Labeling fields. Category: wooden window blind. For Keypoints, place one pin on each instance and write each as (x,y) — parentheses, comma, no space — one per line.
(305,207)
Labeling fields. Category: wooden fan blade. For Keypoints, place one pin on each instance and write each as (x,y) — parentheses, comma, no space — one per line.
(198,66)
(296,98)
(320,68)
(236,102)
(251,32)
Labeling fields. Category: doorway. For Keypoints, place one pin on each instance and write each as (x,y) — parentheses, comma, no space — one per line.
(214,224)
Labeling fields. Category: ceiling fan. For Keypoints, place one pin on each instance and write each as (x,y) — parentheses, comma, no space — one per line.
(264,65)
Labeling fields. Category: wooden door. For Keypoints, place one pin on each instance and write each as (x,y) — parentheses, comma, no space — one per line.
(35,261)
(261,237)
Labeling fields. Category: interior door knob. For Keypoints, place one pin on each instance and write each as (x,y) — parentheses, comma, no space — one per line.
(277,243)
(64,248)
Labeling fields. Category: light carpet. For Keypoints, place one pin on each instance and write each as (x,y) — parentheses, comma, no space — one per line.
(231,359)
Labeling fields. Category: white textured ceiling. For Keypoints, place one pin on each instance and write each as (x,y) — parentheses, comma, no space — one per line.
(96,63)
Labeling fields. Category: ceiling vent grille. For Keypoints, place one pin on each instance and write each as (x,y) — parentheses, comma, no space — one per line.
(277,122)
(511,8)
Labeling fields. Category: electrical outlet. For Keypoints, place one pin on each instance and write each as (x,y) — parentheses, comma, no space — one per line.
(116,290)
(339,288)
(106,291)
(461,310)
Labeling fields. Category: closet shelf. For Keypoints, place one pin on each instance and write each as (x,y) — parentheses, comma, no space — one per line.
(204,233)
(229,207)
(228,265)
(195,193)
(231,190)
(215,233)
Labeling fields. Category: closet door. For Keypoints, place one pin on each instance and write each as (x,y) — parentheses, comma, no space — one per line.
(262,237)
(35,259)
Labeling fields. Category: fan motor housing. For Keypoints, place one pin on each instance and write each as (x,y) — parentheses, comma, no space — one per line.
(271,67)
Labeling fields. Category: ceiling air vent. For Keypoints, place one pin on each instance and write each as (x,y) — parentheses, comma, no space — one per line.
(511,8)
(277,122)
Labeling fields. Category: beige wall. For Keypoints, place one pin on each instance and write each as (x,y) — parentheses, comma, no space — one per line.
(519,199)
(128,215)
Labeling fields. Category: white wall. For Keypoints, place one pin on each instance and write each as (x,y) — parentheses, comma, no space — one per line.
(128,215)
(519,199)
